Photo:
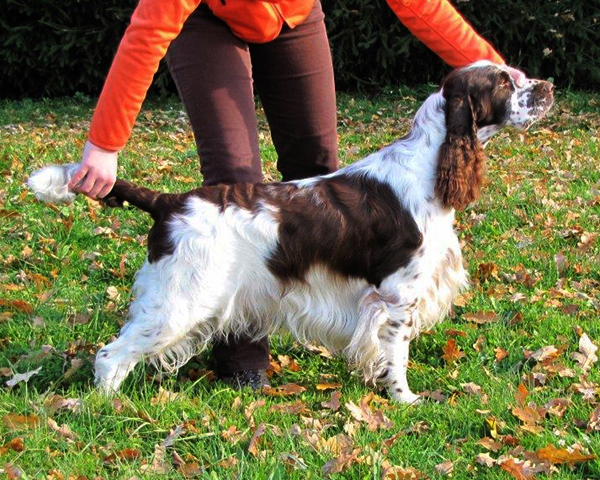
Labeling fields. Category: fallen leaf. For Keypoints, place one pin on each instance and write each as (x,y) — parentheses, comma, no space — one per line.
(17,422)
(19,305)
(474,389)
(55,403)
(295,408)
(189,470)
(158,465)
(481,317)
(500,354)
(334,401)
(485,459)
(127,454)
(22,377)
(374,419)
(12,471)
(286,390)
(490,444)
(517,469)
(594,422)
(233,435)
(293,461)
(164,397)
(521,395)
(561,455)
(253,445)
(401,473)
(172,436)
(588,350)
(328,386)
(545,353)
(451,352)
(479,343)
(557,406)
(16,445)
(444,468)
(63,431)
(340,463)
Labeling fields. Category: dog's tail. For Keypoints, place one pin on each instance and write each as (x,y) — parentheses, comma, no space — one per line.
(50,185)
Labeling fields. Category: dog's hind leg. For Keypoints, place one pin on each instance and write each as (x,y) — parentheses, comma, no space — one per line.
(161,328)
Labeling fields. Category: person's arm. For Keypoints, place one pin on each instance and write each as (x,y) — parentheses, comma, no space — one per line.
(154,24)
(438,25)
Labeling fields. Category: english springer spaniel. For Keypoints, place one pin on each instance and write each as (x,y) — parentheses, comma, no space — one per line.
(360,260)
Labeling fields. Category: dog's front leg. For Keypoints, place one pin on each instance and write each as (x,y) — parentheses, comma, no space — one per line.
(395,335)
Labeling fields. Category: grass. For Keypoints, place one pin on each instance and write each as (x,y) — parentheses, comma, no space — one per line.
(532,250)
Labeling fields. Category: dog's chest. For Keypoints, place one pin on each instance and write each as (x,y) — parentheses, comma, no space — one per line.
(437,269)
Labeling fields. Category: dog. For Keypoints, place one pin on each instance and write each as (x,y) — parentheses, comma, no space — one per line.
(359,260)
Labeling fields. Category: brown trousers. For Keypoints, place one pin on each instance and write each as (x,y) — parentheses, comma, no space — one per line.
(217,74)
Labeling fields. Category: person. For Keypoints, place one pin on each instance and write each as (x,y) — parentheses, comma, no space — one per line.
(219,54)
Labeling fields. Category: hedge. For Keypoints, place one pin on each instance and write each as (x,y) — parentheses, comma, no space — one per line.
(50,48)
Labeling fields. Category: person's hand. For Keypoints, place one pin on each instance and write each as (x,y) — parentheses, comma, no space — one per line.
(517,75)
(97,172)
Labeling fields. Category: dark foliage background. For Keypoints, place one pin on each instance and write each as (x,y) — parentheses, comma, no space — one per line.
(50,48)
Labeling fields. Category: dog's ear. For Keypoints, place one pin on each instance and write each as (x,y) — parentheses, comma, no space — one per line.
(461,158)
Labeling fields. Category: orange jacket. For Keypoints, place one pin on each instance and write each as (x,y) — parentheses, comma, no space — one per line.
(155,23)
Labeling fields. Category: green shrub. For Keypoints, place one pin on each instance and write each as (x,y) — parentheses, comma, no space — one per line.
(50,48)
(557,38)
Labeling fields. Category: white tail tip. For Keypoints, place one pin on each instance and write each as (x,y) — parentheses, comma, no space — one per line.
(49,184)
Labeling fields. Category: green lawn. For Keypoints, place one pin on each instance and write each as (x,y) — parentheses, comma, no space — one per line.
(532,248)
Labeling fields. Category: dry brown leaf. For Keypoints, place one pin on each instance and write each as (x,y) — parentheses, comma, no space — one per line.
(127,454)
(22,377)
(594,422)
(517,469)
(557,406)
(19,305)
(164,397)
(233,435)
(521,395)
(374,419)
(328,386)
(158,465)
(16,445)
(62,431)
(17,422)
(452,353)
(477,346)
(401,473)
(254,441)
(500,354)
(286,390)
(561,455)
(586,356)
(340,463)
(12,471)
(252,407)
(174,433)
(295,408)
(444,468)
(334,401)
(485,459)
(474,389)
(490,444)
(481,317)
(55,403)
(190,470)
(544,353)
(292,461)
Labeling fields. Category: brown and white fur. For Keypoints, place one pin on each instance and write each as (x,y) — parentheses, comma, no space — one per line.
(360,260)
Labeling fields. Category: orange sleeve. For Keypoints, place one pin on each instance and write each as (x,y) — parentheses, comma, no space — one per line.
(439,26)
(154,24)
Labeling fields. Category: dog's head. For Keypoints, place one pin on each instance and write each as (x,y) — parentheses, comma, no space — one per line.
(480,100)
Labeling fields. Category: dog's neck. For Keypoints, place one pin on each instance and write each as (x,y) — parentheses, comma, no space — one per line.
(409,164)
